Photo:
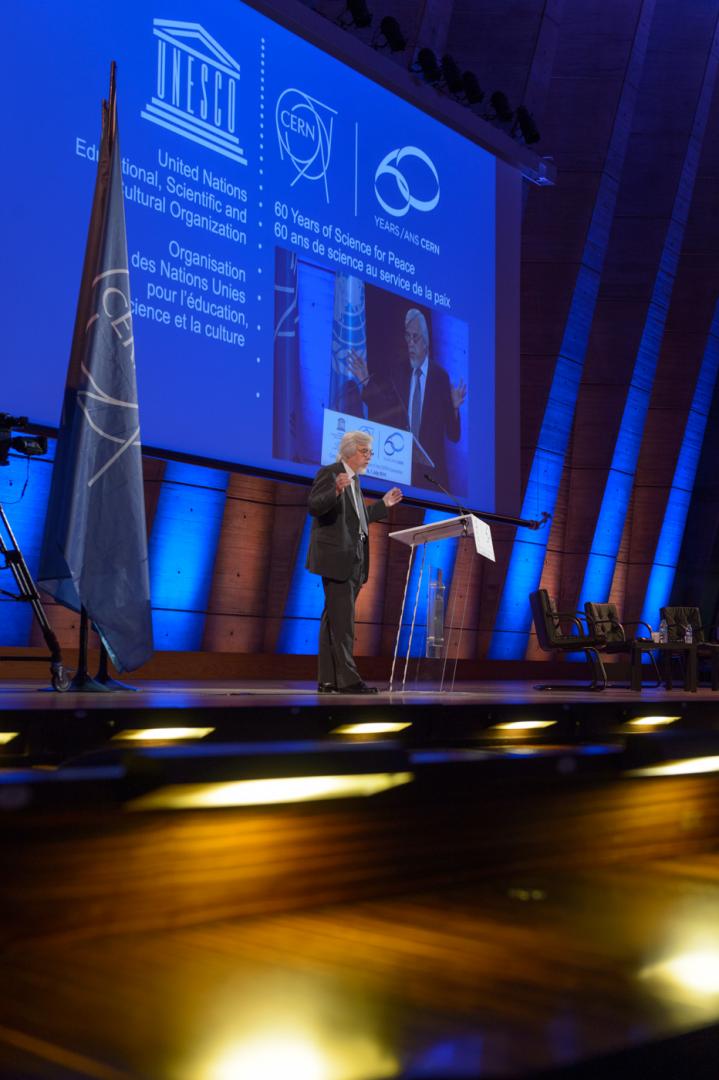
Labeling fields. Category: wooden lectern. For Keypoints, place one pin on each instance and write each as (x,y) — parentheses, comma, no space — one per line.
(465,526)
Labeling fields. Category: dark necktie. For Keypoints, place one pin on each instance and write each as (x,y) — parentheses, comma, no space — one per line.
(359,501)
(416,408)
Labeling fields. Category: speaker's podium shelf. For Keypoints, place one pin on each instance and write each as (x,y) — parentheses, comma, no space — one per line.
(466,527)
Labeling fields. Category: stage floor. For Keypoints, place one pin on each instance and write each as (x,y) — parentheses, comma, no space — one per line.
(528,884)
(530,972)
(32,694)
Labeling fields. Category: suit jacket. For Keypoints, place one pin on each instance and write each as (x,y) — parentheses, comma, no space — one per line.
(388,402)
(335,544)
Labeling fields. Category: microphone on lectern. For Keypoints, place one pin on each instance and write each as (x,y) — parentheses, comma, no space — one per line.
(463,512)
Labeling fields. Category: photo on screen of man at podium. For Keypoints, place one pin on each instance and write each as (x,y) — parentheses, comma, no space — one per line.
(345,355)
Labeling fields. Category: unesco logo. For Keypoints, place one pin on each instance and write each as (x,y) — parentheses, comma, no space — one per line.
(406,178)
(304,132)
(195,91)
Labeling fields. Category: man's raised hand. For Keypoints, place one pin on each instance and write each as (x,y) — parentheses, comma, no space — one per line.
(459,393)
(341,481)
(392,497)
(358,366)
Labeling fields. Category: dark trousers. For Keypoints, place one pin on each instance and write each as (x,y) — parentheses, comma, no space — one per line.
(337,630)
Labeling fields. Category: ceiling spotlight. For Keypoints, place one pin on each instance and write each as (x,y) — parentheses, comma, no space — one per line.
(451,75)
(359,15)
(426,64)
(502,109)
(527,126)
(473,92)
(390,35)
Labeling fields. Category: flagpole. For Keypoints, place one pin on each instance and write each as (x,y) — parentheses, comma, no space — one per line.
(94,554)
(82,680)
(104,678)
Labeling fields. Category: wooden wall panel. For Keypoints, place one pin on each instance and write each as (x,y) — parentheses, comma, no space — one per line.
(289,521)
(489,585)
(372,610)
(237,604)
(395,575)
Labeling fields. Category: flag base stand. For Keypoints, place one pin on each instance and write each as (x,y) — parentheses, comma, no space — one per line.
(115,684)
(82,682)
(105,680)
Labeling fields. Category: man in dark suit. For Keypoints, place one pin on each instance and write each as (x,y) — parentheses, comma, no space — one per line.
(339,552)
(417,397)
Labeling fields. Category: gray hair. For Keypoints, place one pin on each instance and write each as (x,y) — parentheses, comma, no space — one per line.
(415,313)
(351,442)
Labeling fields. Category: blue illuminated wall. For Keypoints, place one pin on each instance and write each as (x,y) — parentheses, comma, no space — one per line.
(511,630)
(620,480)
(666,555)
(429,558)
(182,549)
(305,601)
(653,180)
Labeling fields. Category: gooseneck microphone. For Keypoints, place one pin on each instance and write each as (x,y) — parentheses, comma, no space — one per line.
(463,512)
(546,516)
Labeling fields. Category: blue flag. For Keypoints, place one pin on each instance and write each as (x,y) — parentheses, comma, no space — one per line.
(94,551)
(349,335)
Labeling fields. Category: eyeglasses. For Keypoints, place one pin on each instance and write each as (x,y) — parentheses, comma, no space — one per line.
(413,339)
(365,451)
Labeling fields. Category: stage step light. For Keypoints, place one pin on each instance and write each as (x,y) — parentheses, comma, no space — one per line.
(268,792)
(380,727)
(161,734)
(523,725)
(682,767)
(652,721)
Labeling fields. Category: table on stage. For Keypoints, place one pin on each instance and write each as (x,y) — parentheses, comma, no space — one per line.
(688,652)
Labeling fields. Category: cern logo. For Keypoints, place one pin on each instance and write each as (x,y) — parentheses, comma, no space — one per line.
(304,132)
(113,420)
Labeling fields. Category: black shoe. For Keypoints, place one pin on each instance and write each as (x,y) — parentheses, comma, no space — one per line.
(358,688)
(327,688)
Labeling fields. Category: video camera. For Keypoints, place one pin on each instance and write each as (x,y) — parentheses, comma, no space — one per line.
(30,445)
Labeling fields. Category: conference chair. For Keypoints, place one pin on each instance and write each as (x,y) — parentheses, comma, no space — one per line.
(678,618)
(612,638)
(562,631)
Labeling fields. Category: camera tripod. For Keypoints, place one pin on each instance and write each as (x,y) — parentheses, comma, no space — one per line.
(14,561)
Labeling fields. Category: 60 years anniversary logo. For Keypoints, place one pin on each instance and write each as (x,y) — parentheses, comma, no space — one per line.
(401,184)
